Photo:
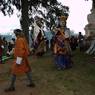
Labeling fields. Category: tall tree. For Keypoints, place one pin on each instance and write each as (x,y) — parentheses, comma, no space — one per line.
(26,7)
(25,18)
(93,2)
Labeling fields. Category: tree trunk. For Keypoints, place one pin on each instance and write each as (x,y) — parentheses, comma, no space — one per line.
(25,18)
(93,3)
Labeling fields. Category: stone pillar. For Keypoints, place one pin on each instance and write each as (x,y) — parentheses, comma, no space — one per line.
(90,27)
(90,31)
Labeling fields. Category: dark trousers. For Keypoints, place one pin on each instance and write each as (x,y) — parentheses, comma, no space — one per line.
(13,79)
(0,59)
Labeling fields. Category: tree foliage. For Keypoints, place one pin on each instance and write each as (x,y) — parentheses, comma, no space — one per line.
(27,8)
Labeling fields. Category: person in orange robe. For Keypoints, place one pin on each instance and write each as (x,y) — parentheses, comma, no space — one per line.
(20,64)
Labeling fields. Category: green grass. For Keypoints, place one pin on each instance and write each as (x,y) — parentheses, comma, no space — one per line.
(79,80)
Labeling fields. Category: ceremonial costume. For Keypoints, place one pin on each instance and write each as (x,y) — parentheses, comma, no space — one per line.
(20,64)
(60,50)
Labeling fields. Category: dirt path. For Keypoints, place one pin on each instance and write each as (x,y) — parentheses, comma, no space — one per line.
(21,89)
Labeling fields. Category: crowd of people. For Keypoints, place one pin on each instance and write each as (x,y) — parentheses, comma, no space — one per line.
(61,45)
(6,47)
(60,48)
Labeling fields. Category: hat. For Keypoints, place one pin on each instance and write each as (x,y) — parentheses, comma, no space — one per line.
(17,31)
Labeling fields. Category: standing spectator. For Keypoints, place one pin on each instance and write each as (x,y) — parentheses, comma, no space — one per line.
(1,50)
(21,64)
(5,43)
(81,41)
(73,43)
(13,42)
(10,47)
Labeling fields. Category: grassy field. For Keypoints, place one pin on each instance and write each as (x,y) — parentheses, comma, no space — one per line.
(79,80)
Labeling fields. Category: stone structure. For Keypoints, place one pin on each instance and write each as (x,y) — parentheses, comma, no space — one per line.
(90,27)
(90,30)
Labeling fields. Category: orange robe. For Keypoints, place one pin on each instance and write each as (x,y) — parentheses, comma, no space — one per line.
(21,50)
